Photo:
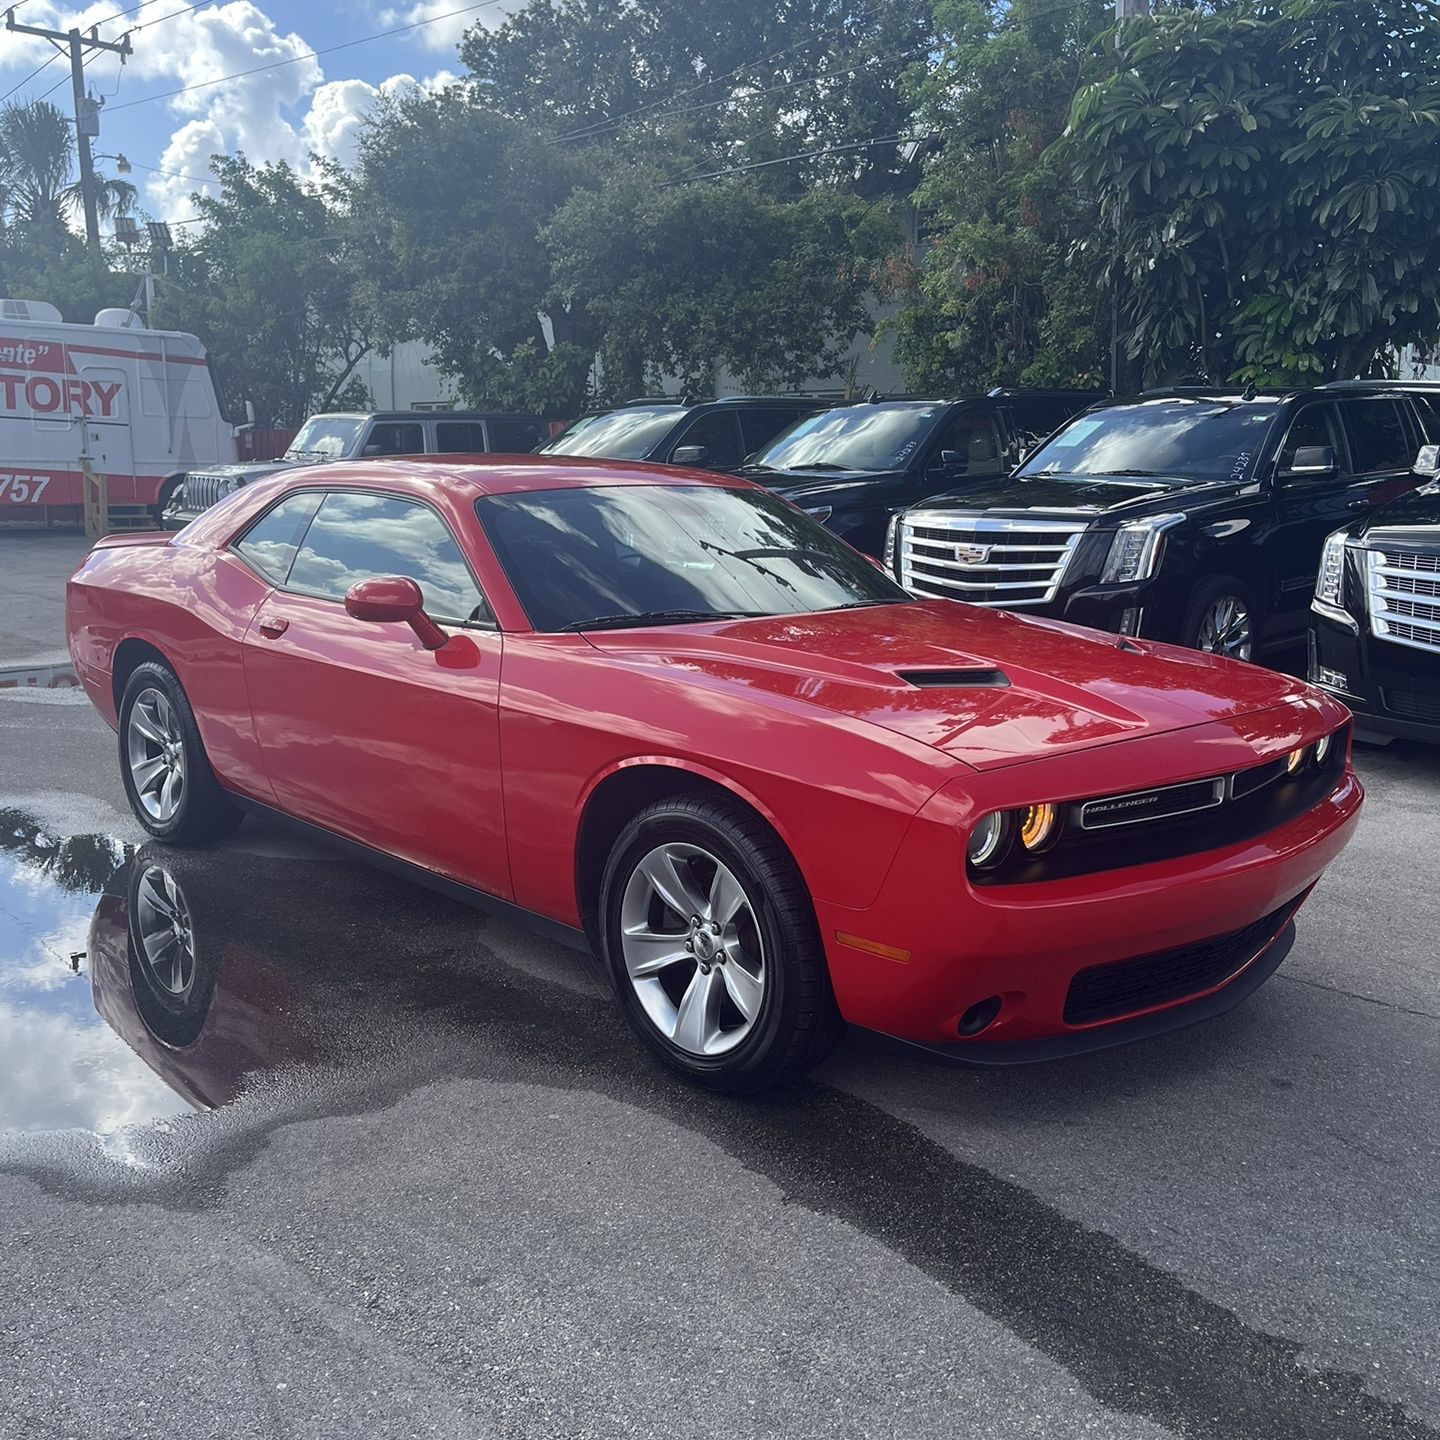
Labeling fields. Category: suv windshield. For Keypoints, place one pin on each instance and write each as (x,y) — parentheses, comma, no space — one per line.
(329,439)
(628,434)
(638,554)
(1178,439)
(860,437)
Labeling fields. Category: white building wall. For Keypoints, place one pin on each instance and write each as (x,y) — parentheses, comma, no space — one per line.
(406,380)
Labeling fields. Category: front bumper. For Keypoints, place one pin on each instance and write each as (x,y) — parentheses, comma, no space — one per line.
(934,945)
(1393,690)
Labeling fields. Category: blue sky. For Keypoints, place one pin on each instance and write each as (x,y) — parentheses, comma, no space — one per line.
(280,113)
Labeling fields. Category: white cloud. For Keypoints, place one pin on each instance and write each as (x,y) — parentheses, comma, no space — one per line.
(441,28)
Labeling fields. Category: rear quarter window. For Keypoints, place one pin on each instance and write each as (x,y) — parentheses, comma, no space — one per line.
(269,545)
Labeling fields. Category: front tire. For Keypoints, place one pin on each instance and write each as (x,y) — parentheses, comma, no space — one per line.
(163,766)
(711,943)
(1220,619)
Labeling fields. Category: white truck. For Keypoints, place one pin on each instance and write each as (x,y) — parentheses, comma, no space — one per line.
(135,406)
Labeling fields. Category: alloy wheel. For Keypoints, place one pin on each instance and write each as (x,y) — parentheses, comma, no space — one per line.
(155,749)
(167,937)
(1225,629)
(692,949)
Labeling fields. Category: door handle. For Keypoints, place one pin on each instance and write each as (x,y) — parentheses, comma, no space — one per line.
(273,627)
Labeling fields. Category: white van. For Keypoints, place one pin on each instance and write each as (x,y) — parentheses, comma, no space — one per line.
(137,405)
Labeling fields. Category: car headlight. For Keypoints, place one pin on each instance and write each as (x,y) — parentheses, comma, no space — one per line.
(1136,549)
(1331,580)
(1039,825)
(989,840)
(1323,747)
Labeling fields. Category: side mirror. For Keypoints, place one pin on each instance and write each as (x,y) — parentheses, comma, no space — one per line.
(372,450)
(689,455)
(394,600)
(1427,461)
(951,460)
(1313,460)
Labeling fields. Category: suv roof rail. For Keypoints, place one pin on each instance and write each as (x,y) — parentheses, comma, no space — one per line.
(658,400)
(1379,384)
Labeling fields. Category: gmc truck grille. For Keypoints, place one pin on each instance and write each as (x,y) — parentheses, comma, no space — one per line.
(200,492)
(1404,601)
(986,560)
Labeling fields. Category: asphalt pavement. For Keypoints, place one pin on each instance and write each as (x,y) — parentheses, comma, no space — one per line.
(414,1178)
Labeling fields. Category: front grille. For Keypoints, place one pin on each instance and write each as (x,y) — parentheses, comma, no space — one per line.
(201,491)
(1401,596)
(987,560)
(1411,705)
(1105,992)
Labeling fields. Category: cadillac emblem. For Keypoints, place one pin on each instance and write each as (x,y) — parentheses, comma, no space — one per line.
(972,554)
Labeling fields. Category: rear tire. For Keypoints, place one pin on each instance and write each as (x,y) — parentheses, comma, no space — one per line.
(734,995)
(167,777)
(1220,619)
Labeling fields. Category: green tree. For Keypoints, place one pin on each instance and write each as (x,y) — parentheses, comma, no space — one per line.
(994,295)
(1267,180)
(37,188)
(271,284)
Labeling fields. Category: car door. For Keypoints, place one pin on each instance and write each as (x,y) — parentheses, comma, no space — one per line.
(966,446)
(363,731)
(1308,506)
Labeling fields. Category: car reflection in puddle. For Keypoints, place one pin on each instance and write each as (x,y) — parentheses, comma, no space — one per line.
(124,996)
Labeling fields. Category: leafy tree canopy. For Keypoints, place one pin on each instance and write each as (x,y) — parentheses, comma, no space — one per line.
(270,283)
(1267,181)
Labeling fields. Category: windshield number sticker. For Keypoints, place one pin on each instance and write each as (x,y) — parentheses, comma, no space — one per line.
(1242,464)
(22,489)
(1078,431)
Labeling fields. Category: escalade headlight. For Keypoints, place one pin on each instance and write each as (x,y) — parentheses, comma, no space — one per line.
(1136,549)
(887,552)
(1331,579)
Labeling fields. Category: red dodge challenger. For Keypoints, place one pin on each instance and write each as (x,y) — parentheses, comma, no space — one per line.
(668,716)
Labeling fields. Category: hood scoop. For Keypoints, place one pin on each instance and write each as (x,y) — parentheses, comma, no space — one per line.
(974,678)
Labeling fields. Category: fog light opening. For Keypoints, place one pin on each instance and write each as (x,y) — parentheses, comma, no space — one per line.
(979,1016)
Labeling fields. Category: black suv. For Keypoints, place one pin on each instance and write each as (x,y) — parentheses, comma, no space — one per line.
(713,435)
(1375,619)
(854,466)
(345,435)
(1189,515)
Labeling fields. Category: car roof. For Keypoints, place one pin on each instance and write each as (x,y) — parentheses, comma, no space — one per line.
(468,477)
(390,415)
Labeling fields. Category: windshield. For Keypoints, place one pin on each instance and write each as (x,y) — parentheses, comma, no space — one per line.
(629,434)
(1174,438)
(329,439)
(673,552)
(860,437)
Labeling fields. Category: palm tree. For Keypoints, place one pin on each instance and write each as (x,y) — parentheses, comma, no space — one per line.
(36,155)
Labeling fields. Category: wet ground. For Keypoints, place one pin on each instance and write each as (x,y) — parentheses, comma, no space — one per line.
(362,1162)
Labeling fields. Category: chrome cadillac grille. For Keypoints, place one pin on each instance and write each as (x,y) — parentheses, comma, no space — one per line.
(989,560)
(202,491)
(1404,600)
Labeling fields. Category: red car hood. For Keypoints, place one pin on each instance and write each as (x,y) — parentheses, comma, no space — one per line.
(905,667)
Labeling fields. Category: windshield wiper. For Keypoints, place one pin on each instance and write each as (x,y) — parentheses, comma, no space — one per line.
(659,617)
(824,465)
(865,604)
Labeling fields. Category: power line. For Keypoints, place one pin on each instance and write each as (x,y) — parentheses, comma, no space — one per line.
(307,55)
(785,159)
(43,65)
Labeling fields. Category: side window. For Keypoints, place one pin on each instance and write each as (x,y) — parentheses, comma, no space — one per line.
(516,437)
(395,437)
(1378,436)
(1035,419)
(269,545)
(459,437)
(719,433)
(761,426)
(973,437)
(355,536)
(1314,425)
(1427,409)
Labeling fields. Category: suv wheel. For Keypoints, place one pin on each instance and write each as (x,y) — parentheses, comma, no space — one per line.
(1220,619)
(711,944)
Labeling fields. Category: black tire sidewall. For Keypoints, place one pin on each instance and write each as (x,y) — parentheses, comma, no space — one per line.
(204,812)
(175,1025)
(750,1064)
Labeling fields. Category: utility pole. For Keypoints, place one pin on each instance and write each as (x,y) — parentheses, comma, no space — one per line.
(87,112)
(1124,10)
